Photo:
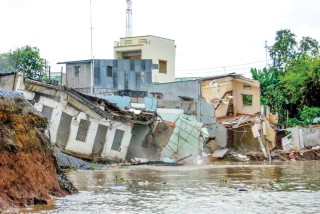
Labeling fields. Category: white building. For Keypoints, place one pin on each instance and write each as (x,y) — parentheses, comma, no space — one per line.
(87,125)
(162,52)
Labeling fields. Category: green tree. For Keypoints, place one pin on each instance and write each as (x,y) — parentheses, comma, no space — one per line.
(292,84)
(7,62)
(29,61)
(301,83)
(284,48)
(309,46)
(271,90)
(307,114)
(26,60)
(267,78)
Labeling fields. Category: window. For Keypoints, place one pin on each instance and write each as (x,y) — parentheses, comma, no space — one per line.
(76,71)
(143,41)
(47,112)
(128,42)
(132,55)
(247,100)
(117,140)
(83,130)
(163,66)
(109,71)
(143,65)
(132,65)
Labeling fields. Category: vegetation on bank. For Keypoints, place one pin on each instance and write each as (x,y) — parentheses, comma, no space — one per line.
(25,59)
(291,84)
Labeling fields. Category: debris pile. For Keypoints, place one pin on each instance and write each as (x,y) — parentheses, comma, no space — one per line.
(29,173)
(144,117)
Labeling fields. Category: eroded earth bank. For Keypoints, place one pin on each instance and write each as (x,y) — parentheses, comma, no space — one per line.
(29,173)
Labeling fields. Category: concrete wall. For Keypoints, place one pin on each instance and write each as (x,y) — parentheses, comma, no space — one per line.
(126,74)
(239,90)
(301,138)
(309,137)
(85,147)
(138,147)
(172,93)
(155,48)
(215,90)
(221,93)
(84,79)
(7,81)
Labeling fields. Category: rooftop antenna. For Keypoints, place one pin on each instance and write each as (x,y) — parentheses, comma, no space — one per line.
(92,57)
(129,18)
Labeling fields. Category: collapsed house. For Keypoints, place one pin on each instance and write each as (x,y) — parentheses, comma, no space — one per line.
(199,117)
(226,106)
(84,124)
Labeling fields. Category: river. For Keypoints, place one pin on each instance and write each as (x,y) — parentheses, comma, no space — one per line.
(286,187)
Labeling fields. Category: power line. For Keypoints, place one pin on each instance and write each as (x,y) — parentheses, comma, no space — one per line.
(211,70)
(198,69)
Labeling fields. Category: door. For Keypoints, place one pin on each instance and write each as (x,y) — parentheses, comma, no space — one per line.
(99,140)
(63,130)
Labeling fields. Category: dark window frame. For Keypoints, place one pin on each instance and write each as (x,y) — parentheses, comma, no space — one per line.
(77,70)
(163,66)
(83,129)
(47,112)
(109,71)
(117,140)
(247,99)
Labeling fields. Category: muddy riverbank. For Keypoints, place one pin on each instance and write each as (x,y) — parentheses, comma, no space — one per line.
(284,187)
(29,173)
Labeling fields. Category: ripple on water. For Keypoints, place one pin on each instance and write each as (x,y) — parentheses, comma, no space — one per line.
(281,188)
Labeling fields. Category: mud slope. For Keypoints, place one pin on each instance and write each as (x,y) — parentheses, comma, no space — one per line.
(28,170)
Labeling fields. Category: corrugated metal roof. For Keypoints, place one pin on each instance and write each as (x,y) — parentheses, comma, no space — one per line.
(76,61)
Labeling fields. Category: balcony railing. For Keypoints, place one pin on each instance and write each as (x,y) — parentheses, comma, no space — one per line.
(131,42)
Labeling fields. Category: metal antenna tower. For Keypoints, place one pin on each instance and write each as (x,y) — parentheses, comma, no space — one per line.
(129,19)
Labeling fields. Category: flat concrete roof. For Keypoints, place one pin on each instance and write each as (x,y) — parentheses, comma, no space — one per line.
(145,36)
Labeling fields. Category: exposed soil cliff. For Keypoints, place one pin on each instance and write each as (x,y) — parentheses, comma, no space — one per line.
(28,170)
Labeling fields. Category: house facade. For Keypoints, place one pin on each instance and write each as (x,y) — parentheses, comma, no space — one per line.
(109,75)
(160,50)
(86,125)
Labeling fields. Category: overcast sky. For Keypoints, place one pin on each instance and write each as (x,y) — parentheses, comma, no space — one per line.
(208,33)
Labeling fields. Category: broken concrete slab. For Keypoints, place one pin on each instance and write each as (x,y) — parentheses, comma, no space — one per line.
(220,153)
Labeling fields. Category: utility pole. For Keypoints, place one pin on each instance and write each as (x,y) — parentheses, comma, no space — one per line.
(129,18)
(266,47)
(61,78)
(92,58)
(49,73)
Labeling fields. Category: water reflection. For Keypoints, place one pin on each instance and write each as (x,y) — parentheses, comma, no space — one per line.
(277,188)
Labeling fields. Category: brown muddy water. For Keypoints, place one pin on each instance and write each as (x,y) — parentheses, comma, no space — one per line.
(290,187)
